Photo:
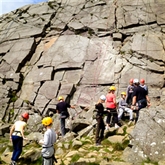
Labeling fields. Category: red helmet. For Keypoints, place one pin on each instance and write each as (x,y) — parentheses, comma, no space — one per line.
(25,115)
(131,80)
(142,81)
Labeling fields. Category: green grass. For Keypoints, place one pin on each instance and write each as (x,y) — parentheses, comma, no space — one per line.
(4,140)
(117,146)
(120,146)
(107,150)
(118,160)
(124,130)
(149,161)
(11,112)
(122,52)
(125,143)
(106,142)
(4,143)
(13,96)
(131,52)
(111,133)
(94,148)
(75,158)
(86,142)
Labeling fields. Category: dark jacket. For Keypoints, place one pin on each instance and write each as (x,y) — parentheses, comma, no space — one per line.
(140,93)
(100,109)
(62,107)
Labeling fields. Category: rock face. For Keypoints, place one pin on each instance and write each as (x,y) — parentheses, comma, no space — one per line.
(78,49)
(147,144)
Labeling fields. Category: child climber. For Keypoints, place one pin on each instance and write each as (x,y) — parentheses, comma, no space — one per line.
(123,107)
(48,142)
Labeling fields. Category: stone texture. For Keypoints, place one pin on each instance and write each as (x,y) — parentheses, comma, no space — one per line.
(78,49)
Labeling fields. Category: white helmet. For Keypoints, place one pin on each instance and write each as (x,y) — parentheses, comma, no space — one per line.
(135,81)
(102,97)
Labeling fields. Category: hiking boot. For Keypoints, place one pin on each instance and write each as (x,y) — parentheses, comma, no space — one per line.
(120,123)
(98,144)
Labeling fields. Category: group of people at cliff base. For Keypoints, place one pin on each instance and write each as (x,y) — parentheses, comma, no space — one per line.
(134,99)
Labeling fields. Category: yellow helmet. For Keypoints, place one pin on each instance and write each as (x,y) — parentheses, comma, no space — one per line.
(60,98)
(112,88)
(123,93)
(47,121)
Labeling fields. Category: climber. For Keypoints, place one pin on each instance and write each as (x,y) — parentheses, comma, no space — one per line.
(48,142)
(111,108)
(17,136)
(123,107)
(140,98)
(129,92)
(62,109)
(100,126)
(143,85)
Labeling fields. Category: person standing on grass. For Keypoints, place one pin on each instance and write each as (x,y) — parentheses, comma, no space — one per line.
(111,108)
(48,142)
(62,109)
(100,126)
(17,136)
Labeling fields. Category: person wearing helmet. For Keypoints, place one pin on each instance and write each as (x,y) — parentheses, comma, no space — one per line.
(17,136)
(48,142)
(123,107)
(62,109)
(129,92)
(100,126)
(143,85)
(111,108)
(140,98)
